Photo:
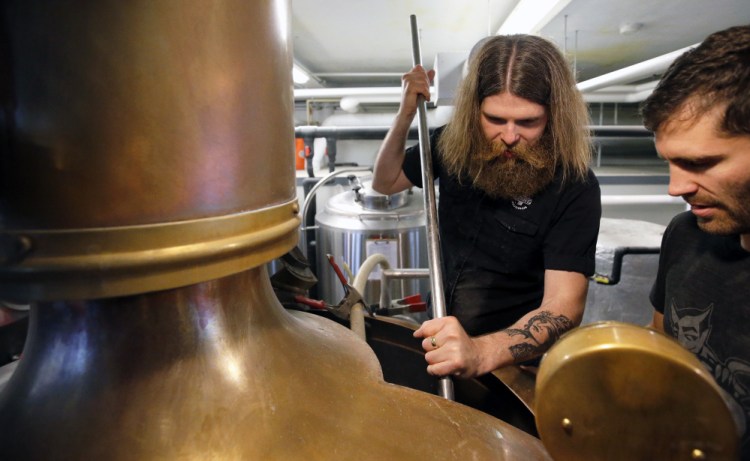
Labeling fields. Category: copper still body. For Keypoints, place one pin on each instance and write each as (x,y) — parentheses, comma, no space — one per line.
(147,176)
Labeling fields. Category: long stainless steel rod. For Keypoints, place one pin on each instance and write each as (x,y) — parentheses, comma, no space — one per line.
(434,258)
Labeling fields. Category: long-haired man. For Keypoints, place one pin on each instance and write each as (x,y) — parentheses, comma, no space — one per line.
(519,208)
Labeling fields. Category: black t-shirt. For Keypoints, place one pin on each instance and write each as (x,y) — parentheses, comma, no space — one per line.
(703,289)
(495,252)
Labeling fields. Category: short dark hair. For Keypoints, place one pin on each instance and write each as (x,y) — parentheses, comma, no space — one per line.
(714,74)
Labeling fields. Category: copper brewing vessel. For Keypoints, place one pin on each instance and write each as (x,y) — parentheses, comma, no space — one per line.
(147,154)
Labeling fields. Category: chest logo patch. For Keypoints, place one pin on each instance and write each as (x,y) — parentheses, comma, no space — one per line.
(521,203)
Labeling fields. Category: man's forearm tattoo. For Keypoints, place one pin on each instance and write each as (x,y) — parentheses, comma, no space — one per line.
(539,333)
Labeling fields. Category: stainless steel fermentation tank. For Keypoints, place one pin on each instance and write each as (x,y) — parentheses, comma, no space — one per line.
(358,223)
(147,177)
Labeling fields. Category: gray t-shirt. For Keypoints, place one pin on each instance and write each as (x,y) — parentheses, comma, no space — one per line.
(703,289)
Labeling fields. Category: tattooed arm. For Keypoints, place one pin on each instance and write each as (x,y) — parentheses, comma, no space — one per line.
(538,335)
(460,355)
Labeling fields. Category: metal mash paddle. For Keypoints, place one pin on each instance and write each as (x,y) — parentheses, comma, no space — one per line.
(434,258)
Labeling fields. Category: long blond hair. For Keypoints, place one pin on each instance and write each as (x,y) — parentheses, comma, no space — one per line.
(532,68)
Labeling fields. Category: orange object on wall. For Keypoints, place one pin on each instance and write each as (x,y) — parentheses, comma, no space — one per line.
(299,153)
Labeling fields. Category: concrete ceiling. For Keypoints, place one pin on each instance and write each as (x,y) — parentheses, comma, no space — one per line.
(367,43)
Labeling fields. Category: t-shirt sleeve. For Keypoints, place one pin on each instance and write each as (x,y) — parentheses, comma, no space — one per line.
(658,293)
(413,162)
(413,165)
(571,242)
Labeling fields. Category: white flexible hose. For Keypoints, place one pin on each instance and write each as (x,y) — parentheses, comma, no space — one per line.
(357,315)
(367,267)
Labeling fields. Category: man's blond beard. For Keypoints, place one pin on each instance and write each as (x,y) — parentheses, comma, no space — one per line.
(523,175)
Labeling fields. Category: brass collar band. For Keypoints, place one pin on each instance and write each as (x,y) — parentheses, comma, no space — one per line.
(118,261)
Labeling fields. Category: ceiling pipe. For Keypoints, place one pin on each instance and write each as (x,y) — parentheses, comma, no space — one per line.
(645,69)
(351,99)
(353,104)
(307,93)
(637,93)
(389,75)
(438,116)
(367,130)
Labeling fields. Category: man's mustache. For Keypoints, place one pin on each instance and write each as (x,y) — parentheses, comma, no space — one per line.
(500,151)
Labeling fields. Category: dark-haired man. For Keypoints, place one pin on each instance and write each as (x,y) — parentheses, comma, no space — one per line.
(700,116)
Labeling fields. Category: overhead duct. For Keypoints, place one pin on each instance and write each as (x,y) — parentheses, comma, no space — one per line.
(621,93)
(649,68)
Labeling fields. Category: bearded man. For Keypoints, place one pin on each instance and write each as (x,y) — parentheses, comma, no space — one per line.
(519,208)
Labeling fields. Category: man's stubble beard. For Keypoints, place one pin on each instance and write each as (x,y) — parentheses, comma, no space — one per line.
(529,170)
(733,215)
